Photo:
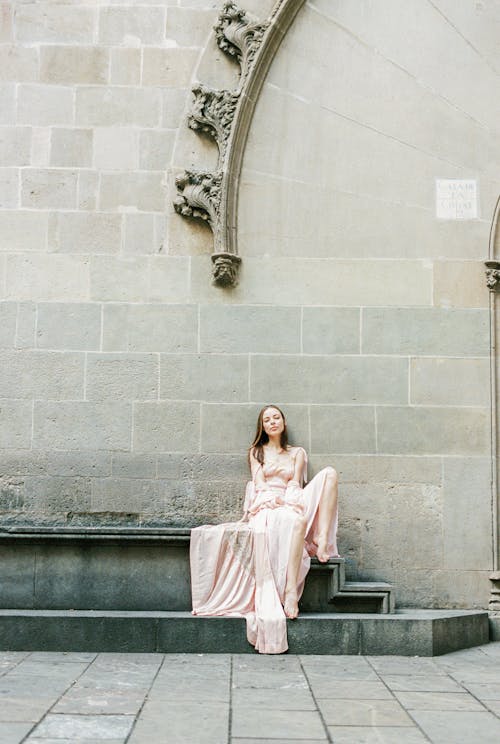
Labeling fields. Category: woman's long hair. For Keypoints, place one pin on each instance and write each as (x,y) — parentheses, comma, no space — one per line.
(261,438)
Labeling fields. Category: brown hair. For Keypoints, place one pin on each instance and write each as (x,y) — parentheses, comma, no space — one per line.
(261,438)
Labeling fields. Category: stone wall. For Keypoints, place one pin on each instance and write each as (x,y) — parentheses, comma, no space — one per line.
(130,385)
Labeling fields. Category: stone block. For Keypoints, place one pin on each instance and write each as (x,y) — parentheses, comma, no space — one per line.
(204,377)
(42,374)
(116,148)
(18,63)
(168,68)
(190,27)
(156,147)
(120,106)
(143,234)
(67,326)
(48,277)
(17,575)
(119,279)
(15,423)
(450,382)
(79,425)
(6,27)
(463,589)
(88,187)
(8,104)
(169,279)
(45,105)
(132,26)
(125,66)
(133,466)
(432,331)
(26,325)
(330,330)
(240,329)
(8,320)
(400,469)
(317,281)
(9,188)
(203,467)
(124,495)
(74,464)
(47,495)
(150,328)
(231,428)
(40,147)
(140,191)
(55,23)
(329,379)
(426,431)
(342,429)
(122,376)
(15,146)
(71,147)
(166,427)
(460,284)
(54,188)
(85,232)
(23,230)
(467,513)
(73,64)
(174,104)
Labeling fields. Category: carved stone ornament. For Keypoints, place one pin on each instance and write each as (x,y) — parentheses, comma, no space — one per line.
(493,275)
(225,115)
(213,113)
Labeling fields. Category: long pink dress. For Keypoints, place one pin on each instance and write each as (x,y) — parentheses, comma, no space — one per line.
(238,569)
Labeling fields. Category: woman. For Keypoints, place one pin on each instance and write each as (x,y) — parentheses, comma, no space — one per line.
(257,567)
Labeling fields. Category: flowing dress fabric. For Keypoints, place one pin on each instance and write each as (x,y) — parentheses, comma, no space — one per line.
(238,569)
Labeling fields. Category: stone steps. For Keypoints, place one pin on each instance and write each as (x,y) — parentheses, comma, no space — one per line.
(406,632)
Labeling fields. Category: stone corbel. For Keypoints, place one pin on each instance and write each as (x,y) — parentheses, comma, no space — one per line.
(199,197)
(493,275)
(213,113)
(238,37)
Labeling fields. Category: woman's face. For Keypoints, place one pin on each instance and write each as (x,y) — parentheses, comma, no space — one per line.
(272,421)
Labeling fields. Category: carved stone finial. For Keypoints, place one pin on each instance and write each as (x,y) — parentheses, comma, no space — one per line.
(237,36)
(213,113)
(493,275)
(225,269)
(199,196)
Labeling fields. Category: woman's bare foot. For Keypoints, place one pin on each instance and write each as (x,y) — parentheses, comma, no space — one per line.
(322,553)
(291,605)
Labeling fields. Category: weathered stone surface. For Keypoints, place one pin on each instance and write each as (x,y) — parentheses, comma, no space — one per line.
(23,230)
(71,147)
(329,379)
(169,275)
(41,374)
(432,331)
(122,376)
(48,188)
(7,104)
(67,326)
(100,106)
(170,68)
(459,284)
(15,424)
(142,191)
(143,234)
(118,279)
(45,278)
(449,382)
(26,325)
(233,329)
(45,495)
(73,64)
(166,427)
(209,377)
(9,188)
(57,23)
(82,425)
(425,430)
(82,232)
(467,513)
(125,495)
(133,466)
(127,26)
(8,317)
(343,429)
(125,66)
(150,328)
(45,105)
(88,186)
(116,148)
(15,145)
(331,330)
(155,149)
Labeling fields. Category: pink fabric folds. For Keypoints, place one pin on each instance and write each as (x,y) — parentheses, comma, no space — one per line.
(238,569)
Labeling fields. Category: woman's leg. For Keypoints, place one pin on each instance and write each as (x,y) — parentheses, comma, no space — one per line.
(326,512)
(291,605)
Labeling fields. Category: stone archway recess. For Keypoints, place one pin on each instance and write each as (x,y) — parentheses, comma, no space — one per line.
(226,116)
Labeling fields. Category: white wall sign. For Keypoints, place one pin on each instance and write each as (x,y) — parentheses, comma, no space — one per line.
(456,199)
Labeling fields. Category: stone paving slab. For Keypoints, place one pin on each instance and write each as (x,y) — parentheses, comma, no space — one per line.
(66,698)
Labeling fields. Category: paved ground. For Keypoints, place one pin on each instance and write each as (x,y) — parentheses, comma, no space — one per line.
(55,698)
